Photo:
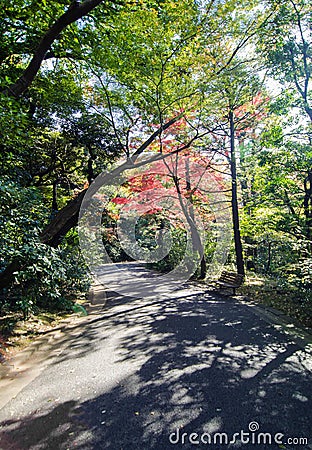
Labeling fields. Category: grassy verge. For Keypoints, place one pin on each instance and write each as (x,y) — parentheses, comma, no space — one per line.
(16,333)
(269,292)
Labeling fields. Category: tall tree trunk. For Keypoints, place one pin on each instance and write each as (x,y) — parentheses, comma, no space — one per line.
(90,167)
(196,238)
(234,201)
(203,263)
(54,198)
(268,264)
(307,204)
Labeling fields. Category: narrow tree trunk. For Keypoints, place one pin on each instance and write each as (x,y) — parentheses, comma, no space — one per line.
(90,168)
(268,265)
(307,204)
(203,264)
(234,201)
(54,198)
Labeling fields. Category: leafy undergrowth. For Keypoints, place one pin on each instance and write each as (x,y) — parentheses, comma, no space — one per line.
(285,298)
(16,333)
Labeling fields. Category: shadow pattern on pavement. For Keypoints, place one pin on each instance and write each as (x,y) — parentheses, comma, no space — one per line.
(196,364)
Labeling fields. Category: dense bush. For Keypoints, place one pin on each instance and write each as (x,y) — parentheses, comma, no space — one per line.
(48,278)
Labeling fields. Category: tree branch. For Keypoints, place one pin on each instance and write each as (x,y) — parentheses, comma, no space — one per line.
(75,11)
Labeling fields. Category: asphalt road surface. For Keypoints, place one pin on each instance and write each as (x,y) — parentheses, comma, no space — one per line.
(190,370)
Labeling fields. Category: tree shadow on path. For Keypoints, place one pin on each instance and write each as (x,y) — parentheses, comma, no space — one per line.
(204,366)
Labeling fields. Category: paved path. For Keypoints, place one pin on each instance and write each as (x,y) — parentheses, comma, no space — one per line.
(189,361)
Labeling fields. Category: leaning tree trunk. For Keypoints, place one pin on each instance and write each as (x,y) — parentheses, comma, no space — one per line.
(234,201)
(67,218)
